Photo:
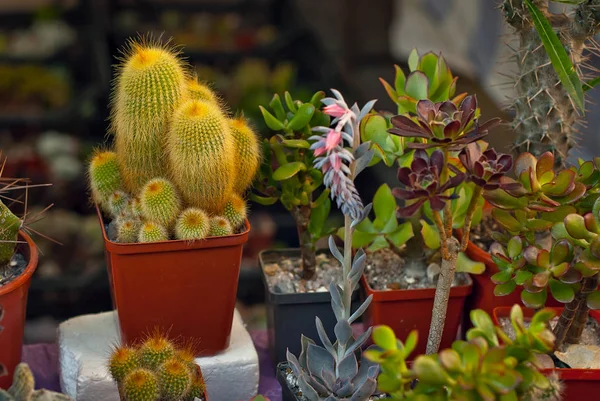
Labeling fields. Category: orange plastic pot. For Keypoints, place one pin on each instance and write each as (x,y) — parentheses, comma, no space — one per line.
(580,384)
(13,305)
(185,289)
(408,310)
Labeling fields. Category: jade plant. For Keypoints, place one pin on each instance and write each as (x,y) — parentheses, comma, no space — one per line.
(23,388)
(333,371)
(287,173)
(176,150)
(488,365)
(551,220)
(156,370)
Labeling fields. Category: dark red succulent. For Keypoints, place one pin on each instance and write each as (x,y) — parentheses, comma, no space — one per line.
(422,183)
(443,125)
(485,169)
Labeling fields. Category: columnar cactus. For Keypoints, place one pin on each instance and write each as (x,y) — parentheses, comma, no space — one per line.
(9,231)
(235,211)
(104,174)
(150,84)
(200,91)
(201,155)
(160,202)
(247,153)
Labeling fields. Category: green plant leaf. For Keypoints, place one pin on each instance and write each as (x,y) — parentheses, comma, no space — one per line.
(558,56)
(296,143)
(401,234)
(591,83)
(505,289)
(431,236)
(262,200)
(384,203)
(429,371)
(302,117)
(561,292)
(400,79)
(413,60)
(411,342)
(288,170)
(384,337)
(534,299)
(417,85)
(593,300)
(466,265)
(271,121)
(318,217)
(483,321)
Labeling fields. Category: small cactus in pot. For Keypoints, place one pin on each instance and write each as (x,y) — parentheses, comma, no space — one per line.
(23,388)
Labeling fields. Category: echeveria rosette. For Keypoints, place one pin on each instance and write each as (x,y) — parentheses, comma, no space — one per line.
(443,125)
(484,168)
(422,183)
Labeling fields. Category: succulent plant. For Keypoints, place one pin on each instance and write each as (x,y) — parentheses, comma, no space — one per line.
(152,232)
(219,226)
(287,173)
(429,78)
(247,149)
(23,388)
(104,175)
(160,201)
(156,370)
(192,224)
(235,211)
(484,168)
(487,366)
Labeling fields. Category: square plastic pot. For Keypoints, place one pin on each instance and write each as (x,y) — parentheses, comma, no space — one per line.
(186,289)
(13,306)
(580,384)
(291,315)
(408,310)
(286,392)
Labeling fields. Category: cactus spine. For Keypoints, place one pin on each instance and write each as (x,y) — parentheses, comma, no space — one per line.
(152,232)
(117,203)
(160,202)
(197,388)
(200,150)
(235,211)
(104,174)
(175,379)
(247,153)
(9,231)
(200,91)
(546,119)
(155,351)
(128,229)
(141,385)
(122,362)
(150,84)
(192,224)
(219,226)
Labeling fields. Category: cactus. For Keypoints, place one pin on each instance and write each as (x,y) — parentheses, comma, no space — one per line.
(247,151)
(545,117)
(104,175)
(235,211)
(201,154)
(152,232)
(186,355)
(122,362)
(9,231)
(23,386)
(219,226)
(134,208)
(160,202)
(117,203)
(197,388)
(150,84)
(200,91)
(155,351)
(175,379)
(141,385)
(193,223)
(128,229)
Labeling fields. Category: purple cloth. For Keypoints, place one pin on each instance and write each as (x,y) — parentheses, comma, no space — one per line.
(43,361)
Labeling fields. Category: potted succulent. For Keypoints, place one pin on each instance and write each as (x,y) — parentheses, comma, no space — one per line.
(488,365)
(157,369)
(18,261)
(23,388)
(552,245)
(296,280)
(333,371)
(170,200)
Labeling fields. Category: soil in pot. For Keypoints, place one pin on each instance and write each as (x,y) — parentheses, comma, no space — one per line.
(481,233)
(13,269)
(293,303)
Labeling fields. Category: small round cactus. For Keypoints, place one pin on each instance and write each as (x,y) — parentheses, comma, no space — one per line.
(247,153)
(175,379)
(197,388)
(200,91)
(152,232)
(122,361)
(9,231)
(160,202)
(186,355)
(128,229)
(155,351)
(141,385)
(220,226)
(134,208)
(117,203)
(104,175)
(193,223)
(235,211)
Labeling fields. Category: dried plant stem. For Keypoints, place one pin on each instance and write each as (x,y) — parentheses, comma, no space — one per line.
(565,321)
(588,286)
(443,238)
(469,217)
(347,265)
(301,215)
(442,295)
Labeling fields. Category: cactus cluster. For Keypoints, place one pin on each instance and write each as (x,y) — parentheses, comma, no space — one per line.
(156,370)
(23,388)
(176,150)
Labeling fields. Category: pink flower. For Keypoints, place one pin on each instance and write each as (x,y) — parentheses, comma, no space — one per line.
(334,138)
(334,110)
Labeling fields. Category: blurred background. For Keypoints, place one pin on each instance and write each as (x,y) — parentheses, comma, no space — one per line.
(56,61)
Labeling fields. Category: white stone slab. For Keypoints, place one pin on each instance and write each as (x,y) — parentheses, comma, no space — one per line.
(86,341)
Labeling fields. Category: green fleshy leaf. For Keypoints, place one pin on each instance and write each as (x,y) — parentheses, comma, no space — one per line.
(296,143)
(501,277)
(505,289)
(431,236)
(262,200)
(411,342)
(318,217)
(465,265)
(501,199)
(534,300)
(483,321)
(593,300)
(575,226)
(413,60)
(417,85)
(402,234)
(450,359)
(384,337)
(514,247)
(288,170)
(559,214)
(522,276)
(558,56)
(399,80)
(592,82)
(384,203)
(271,121)
(429,371)
(428,64)
(561,292)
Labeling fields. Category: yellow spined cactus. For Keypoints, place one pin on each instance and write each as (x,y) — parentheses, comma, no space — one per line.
(220,226)
(235,211)
(201,155)
(117,203)
(141,385)
(104,175)
(128,229)
(160,202)
(192,224)
(247,153)
(200,91)
(150,84)
(175,379)
(122,361)
(152,232)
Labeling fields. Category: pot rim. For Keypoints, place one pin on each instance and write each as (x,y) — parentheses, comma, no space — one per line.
(171,245)
(413,293)
(23,278)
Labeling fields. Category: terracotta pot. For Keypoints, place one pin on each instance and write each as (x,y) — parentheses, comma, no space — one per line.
(187,289)
(13,305)
(580,384)
(407,310)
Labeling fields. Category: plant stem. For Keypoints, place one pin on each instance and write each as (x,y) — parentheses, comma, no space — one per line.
(469,217)
(442,296)
(588,286)
(301,215)
(445,175)
(347,265)
(567,316)
(443,238)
